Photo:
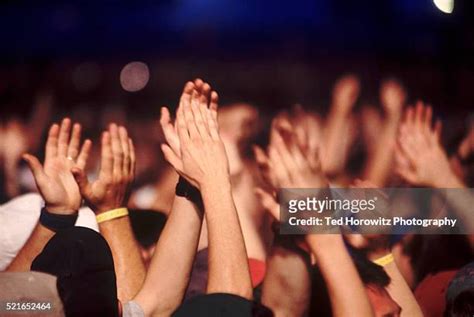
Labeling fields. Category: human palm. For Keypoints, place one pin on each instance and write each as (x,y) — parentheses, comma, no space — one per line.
(54,179)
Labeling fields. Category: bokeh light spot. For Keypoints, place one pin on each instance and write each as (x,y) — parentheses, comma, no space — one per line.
(134,76)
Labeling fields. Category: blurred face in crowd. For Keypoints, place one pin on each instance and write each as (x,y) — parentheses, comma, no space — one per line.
(382,304)
(237,123)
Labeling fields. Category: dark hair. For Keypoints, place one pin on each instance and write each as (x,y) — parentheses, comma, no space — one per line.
(431,254)
(370,273)
(462,305)
(147,225)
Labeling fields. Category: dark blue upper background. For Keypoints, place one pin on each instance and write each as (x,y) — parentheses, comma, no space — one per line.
(230,27)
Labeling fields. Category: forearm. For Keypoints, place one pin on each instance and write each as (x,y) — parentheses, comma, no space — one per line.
(460,201)
(129,266)
(228,262)
(33,246)
(287,285)
(347,293)
(331,158)
(379,164)
(170,269)
(401,292)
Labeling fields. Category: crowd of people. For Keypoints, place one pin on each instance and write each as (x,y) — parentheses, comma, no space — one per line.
(121,229)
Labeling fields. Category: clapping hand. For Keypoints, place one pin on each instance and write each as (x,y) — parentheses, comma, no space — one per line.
(421,160)
(117,172)
(194,147)
(54,178)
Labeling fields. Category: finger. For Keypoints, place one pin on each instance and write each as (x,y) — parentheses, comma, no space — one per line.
(52,142)
(205,91)
(260,157)
(81,161)
(268,202)
(205,114)
(428,115)
(438,127)
(408,149)
(298,157)
(314,159)
(214,103)
(279,170)
(133,160)
(189,117)
(407,175)
(73,149)
(198,84)
(213,124)
(106,157)
(199,121)
(419,114)
(186,95)
(117,151)
(183,133)
(172,158)
(168,130)
(409,116)
(82,182)
(36,168)
(63,139)
(287,159)
(263,163)
(126,151)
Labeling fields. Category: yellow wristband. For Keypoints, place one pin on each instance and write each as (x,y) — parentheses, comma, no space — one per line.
(384,260)
(112,214)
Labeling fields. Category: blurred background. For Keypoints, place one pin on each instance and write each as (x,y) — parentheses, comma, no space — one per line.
(270,53)
(119,61)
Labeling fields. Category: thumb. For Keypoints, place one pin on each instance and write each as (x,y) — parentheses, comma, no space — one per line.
(171,157)
(81,180)
(35,167)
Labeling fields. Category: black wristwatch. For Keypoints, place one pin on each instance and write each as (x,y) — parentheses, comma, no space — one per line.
(188,191)
(56,222)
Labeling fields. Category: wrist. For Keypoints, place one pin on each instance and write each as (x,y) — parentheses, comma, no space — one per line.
(449,181)
(56,222)
(112,214)
(222,184)
(60,210)
(100,209)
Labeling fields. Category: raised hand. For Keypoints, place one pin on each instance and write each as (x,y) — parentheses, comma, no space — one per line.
(421,160)
(345,93)
(117,172)
(54,178)
(466,147)
(170,130)
(202,151)
(392,97)
(194,135)
(292,167)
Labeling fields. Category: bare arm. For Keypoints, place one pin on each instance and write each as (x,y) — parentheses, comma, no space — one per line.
(336,133)
(33,246)
(203,162)
(401,292)
(128,263)
(228,262)
(170,269)
(108,192)
(346,291)
(56,185)
(293,168)
(379,164)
